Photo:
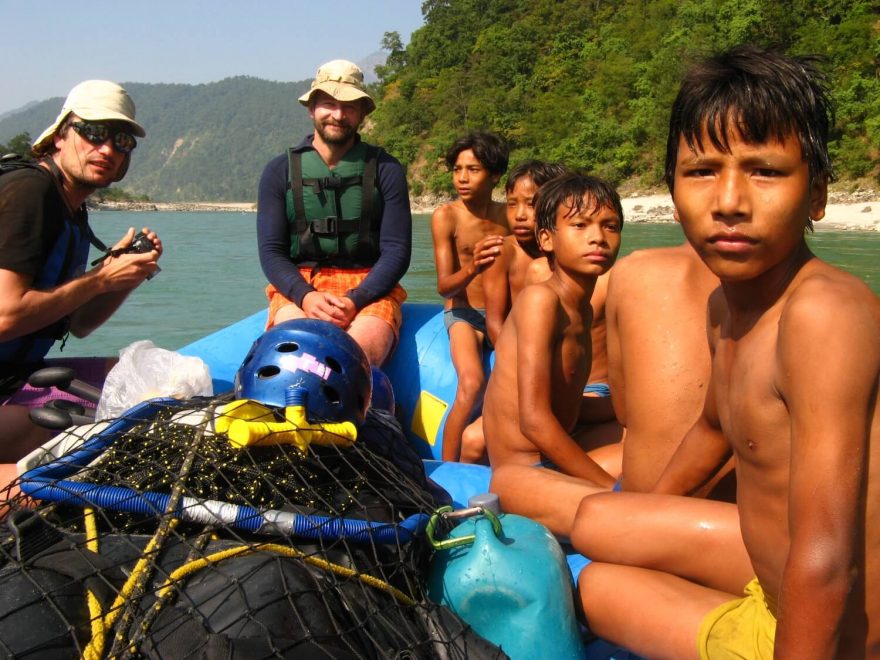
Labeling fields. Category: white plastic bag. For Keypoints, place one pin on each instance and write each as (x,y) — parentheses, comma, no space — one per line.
(145,371)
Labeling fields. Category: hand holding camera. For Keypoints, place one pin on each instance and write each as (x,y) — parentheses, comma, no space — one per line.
(139,245)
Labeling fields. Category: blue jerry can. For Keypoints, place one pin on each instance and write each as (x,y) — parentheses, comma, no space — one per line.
(513,588)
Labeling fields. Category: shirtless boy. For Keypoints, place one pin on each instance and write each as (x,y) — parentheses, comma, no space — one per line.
(512,270)
(659,362)
(507,276)
(658,368)
(793,395)
(542,359)
(468,234)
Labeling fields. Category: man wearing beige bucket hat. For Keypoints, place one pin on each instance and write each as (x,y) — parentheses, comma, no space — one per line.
(45,289)
(334,227)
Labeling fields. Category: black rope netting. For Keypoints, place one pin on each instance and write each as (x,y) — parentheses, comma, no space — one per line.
(155,537)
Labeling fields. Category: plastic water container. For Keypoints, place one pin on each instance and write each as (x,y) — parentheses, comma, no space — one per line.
(514,589)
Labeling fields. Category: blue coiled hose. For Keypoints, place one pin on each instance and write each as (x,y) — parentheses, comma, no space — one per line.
(48,482)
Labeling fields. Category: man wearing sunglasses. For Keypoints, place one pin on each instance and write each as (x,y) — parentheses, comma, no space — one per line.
(46,288)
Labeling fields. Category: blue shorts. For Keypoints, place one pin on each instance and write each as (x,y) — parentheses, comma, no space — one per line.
(601,390)
(476,318)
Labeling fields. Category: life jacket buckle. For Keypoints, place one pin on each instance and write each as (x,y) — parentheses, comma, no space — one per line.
(326,225)
(331,182)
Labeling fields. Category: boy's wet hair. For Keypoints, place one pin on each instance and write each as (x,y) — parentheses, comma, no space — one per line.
(490,150)
(537,170)
(584,193)
(762,94)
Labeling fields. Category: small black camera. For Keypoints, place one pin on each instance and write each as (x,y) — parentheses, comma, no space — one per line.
(139,245)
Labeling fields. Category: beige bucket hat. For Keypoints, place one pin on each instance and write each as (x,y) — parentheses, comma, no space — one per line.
(93,100)
(343,80)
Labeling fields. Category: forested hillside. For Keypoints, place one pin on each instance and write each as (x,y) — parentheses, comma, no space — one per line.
(591,83)
(586,82)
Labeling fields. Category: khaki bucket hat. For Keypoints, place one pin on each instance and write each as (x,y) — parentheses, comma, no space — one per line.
(341,79)
(93,100)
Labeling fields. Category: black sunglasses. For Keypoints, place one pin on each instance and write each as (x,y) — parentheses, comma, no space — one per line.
(97,134)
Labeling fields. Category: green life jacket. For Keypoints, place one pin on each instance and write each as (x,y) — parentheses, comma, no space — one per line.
(332,222)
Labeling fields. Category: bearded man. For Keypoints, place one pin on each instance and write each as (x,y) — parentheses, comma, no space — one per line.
(334,226)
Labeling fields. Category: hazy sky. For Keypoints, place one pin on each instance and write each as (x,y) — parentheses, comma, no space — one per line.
(51,45)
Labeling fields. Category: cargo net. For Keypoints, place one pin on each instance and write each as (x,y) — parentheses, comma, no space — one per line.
(155,537)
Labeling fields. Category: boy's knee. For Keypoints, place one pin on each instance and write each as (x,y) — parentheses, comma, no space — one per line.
(470,383)
(473,445)
(590,513)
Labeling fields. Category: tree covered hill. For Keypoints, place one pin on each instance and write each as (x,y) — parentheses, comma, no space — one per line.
(591,82)
(205,142)
(587,82)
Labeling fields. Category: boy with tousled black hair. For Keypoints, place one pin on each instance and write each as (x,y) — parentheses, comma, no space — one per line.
(793,396)
(542,361)
(467,235)
(512,270)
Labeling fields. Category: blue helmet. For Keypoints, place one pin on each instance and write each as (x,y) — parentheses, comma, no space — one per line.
(383,392)
(315,356)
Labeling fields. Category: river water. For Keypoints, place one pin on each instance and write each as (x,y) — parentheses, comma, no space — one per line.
(211,274)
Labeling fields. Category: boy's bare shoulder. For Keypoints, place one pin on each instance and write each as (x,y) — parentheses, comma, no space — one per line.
(537,302)
(445,213)
(651,266)
(827,294)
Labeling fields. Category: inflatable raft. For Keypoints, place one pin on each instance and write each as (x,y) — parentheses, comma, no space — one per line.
(424,384)
(148,523)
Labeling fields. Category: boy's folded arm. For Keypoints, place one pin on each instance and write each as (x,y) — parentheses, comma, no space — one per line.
(450,281)
(830,403)
(497,294)
(544,431)
(700,454)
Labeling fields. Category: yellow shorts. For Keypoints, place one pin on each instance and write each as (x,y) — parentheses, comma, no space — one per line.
(338,281)
(743,628)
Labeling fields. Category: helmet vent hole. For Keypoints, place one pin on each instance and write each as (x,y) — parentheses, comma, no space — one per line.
(288,347)
(333,364)
(269,371)
(332,396)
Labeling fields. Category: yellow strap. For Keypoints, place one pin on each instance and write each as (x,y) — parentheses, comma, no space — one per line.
(249,424)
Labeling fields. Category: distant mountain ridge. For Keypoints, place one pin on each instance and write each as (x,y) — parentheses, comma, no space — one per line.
(206,142)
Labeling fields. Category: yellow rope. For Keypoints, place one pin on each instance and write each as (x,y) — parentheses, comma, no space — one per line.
(95,648)
(197,565)
(96,616)
(101,623)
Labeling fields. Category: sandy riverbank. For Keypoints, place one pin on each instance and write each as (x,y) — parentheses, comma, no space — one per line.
(845,211)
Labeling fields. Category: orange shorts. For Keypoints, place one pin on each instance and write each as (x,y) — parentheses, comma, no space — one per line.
(338,281)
